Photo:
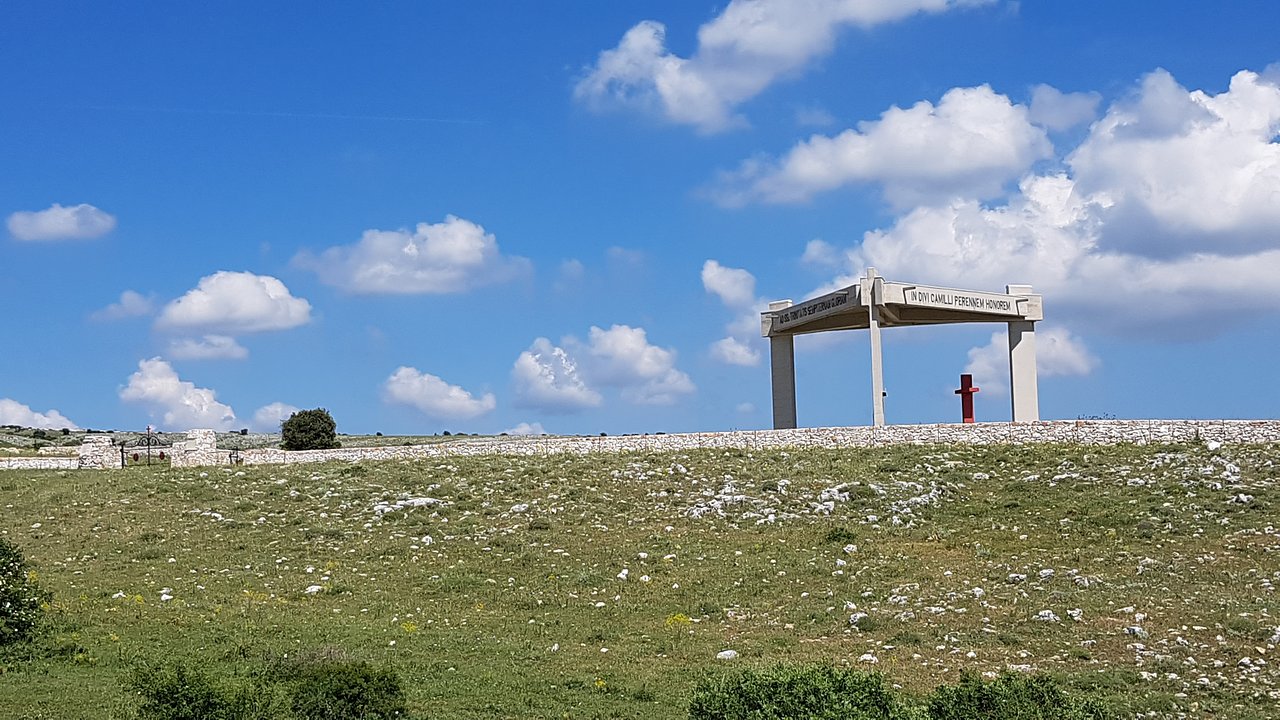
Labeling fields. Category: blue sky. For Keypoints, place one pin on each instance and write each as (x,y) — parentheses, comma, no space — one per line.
(498,216)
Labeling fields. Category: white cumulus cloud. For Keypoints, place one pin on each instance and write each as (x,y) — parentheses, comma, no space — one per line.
(433,396)
(184,406)
(209,347)
(268,417)
(236,302)
(13,412)
(447,257)
(742,51)
(623,357)
(1055,110)
(564,378)
(1183,171)
(131,304)
(970,144)
(547,378)
(1165,215)
(77,222)
(733,351)
(734,286)
(1058,353)
(525,428)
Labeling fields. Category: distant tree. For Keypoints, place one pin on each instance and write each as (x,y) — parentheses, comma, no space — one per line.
(244,431)
(309,430)
(66,431)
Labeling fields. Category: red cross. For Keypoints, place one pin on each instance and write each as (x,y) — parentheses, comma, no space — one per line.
(966,392)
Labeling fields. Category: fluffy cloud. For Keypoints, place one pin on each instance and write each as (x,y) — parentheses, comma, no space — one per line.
(77,222)
(623,357)
(742,51)
(971,143)
(1166,216)
(561,379)
(1055,110)
(734,286)
(13,412)
(131,304)
(819,253)
(1179,171)
(525,428)
(448,257)
(733,351)
(433,396)
(547,378)
(1058,353)
(209,347)
(184,405)
(236,302)
(268,417)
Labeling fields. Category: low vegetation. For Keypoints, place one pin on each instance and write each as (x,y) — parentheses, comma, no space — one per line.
(22,602)
(1131,580)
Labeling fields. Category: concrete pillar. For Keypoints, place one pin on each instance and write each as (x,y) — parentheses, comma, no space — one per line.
(1024,387)
(1024,393)
(871,291)
(782,361)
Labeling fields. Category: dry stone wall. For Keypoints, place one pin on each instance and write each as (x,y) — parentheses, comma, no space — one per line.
(1100,432)
(39,463)
(200,449)
(96,452)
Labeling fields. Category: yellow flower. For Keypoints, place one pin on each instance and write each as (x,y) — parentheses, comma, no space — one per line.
(678,621)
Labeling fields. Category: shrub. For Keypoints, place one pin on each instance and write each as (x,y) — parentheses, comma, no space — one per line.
(309,430)
(179,691)
(1009,697)
(335,689)
(21,599)
(815,692)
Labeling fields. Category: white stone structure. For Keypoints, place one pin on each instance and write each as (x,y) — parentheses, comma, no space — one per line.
(198,450)
(95,452)
(874,303)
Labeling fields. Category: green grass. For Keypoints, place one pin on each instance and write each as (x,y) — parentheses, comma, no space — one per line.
(514,611)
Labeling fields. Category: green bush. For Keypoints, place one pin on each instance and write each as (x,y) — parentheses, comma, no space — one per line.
(346,690)
(1010,697)
(21,599)
(328,687)
(179,691)
(813,692)
(309,430)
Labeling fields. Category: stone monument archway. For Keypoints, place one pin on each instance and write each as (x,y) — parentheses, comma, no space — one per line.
(873,303)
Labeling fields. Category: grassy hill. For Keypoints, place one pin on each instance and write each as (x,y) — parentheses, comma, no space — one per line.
(605,585)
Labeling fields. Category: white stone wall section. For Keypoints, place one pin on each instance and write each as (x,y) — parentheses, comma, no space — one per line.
(200,449)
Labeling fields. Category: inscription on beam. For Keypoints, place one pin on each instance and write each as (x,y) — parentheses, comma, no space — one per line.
(964,300)
(819,307)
